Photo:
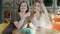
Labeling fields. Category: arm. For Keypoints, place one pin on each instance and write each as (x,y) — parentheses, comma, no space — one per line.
(20,23)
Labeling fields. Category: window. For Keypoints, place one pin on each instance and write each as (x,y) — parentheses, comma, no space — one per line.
(48,2)
(58,2)
(31,2)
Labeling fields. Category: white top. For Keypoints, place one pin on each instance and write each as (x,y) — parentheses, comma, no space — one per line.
(42,22)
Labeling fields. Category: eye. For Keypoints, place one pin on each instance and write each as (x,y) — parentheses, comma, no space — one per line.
(21,5)
(37,5)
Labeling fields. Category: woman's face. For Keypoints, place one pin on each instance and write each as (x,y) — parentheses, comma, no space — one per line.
(23,7)
(36,7)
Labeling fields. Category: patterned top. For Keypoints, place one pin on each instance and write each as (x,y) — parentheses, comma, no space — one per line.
(16,17)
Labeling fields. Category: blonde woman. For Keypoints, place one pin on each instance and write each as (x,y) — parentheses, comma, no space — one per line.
(39,18)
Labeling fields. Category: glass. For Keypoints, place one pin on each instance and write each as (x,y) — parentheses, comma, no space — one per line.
(58,2)
(31,2)
(48,2)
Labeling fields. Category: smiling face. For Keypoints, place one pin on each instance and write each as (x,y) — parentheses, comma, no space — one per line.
(36,7)
(23,7)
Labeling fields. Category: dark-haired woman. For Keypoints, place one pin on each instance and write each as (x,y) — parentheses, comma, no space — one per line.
(18,19)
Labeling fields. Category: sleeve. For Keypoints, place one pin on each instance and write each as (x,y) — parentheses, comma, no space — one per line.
(14,18)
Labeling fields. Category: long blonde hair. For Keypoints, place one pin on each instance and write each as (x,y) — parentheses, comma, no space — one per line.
(32,12)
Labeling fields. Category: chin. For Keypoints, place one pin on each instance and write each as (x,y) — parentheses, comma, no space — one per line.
(35,10)
(23,10)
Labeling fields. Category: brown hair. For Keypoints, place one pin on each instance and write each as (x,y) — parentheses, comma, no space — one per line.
(31,16)
(20,5)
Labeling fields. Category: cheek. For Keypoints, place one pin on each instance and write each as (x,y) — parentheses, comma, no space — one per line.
(38,8)
(35,8)
(20,8)
(26,8)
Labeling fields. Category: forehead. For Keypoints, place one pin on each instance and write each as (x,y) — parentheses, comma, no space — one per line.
(24,3)
(37,3)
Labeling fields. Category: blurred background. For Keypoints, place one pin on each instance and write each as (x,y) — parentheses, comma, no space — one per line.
(7,7)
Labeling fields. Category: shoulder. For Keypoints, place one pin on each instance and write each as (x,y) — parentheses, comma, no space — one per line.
(28,13)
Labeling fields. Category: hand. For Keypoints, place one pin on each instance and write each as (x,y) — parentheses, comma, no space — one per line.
(38,28)
(24,15)
(27,14)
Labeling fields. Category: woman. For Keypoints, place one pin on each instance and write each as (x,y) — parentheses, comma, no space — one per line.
(39,18)
(18,19)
